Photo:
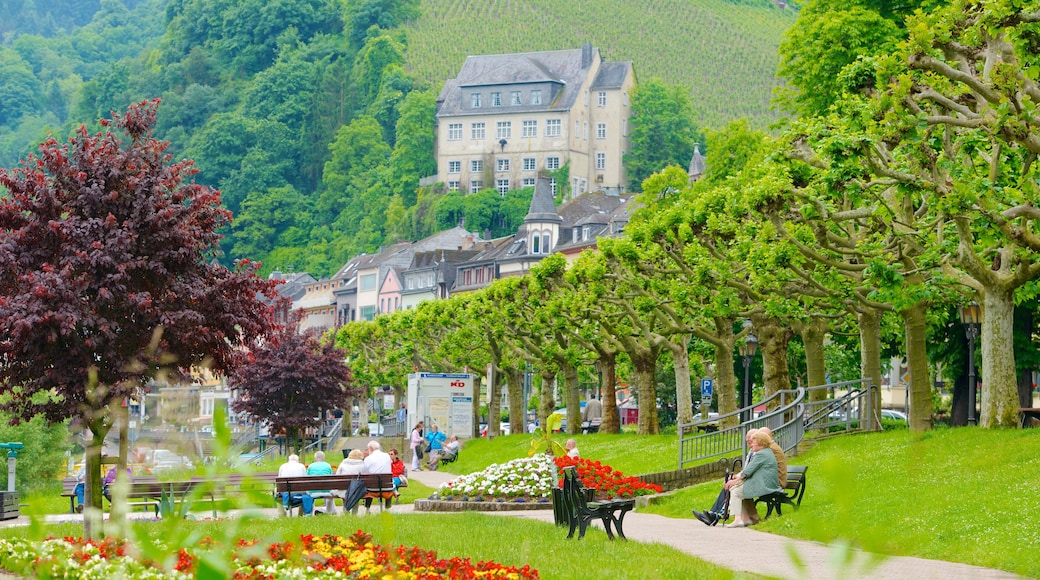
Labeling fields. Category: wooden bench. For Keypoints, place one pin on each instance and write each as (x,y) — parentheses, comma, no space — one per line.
(68,488)
(579,511)
(792,494)
(1030,416)
(380,486)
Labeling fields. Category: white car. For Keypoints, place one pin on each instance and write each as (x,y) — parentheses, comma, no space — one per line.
(893,414)
(166,460)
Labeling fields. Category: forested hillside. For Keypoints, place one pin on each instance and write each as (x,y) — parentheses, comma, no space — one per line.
(315,117)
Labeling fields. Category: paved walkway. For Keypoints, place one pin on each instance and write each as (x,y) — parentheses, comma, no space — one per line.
(747,550)
(742,549)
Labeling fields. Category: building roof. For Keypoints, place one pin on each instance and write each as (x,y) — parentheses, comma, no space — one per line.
(611,75)
(562,68)
(697,164)
(543,206)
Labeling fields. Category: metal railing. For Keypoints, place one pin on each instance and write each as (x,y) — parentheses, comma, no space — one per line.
(328,437)
(785,420)
(849,406)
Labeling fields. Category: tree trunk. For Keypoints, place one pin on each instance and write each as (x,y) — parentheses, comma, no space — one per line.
(1000,386)
(683,393)
(1024,327)
(917,362)
(813,334)
(870,359)
(725,379)
(93,516)
(573,397)
(773,339)
(477,381)
(547,403)
(645,364)
(611,418)
(494,402)
(515,392)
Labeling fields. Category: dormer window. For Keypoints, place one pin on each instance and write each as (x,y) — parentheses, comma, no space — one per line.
(474,100)
(536,244)
(514,98)
(496,99)
(574,234)
(585,233)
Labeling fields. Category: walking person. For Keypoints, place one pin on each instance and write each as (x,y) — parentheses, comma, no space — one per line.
(416,443)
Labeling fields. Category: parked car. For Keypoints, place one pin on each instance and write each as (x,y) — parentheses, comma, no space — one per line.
(166,460)
(712,424)
(893,414)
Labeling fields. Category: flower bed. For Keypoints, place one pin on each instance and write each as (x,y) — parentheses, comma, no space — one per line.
(530,479)
(608,483)
(313,557)
(527,479)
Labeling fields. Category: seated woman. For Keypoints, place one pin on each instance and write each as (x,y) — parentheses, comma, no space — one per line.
(397,469)
(759,477)
(447,453)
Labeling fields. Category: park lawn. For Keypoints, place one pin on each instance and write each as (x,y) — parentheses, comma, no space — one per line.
(503,539)
(960,495)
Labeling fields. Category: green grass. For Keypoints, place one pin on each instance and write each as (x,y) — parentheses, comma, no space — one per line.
(507,540)
(960,495)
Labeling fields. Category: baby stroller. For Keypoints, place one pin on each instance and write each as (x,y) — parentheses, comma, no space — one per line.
(719,511)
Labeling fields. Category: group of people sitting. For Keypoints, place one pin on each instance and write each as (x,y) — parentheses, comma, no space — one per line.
(764,472)
(372,460)
(434,443)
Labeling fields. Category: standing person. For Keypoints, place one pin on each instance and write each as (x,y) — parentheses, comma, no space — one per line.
(436,440)
(759,477)
(416,446)
(293,468)
(592,415)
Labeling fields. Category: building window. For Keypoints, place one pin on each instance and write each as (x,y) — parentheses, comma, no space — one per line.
(454,167)
(536,97)
(601,98)
(601,161)
(368,282)
(453,185)
(584,131)
(530,163)
(514,98)
(552,185)
(477,131)
(502,185)
(528,182)
(624,127)
(474,100)
(601,131)
(475,185)
(368,312)
(586,231)
(502,164)
(411,283)
(546,246)
(553,127)
(454,131)
(536,243)
(530,128)
(552,163)
(504,130)
(577,129)
(476,165)
(480,275)
(496,99)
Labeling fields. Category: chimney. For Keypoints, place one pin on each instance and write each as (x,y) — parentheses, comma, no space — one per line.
(586,55)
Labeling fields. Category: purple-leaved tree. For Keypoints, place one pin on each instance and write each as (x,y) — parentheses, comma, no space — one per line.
(107,277)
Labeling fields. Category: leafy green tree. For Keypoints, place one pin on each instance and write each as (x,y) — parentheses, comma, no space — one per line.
(381,55)
(664,130)
(362,15)
(20,90)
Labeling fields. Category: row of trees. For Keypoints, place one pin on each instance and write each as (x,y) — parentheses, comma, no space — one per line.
(905,190)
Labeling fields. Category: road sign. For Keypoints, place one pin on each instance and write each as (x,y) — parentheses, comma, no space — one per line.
(706,385)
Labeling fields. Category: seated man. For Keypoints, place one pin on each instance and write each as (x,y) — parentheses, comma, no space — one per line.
(448,452)
(293,468)
(377,461)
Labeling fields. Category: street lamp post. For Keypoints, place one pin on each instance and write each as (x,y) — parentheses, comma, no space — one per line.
(747,350)
(971,317)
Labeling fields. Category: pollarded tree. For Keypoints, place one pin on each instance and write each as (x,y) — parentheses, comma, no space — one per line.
(290,379)
(107,277)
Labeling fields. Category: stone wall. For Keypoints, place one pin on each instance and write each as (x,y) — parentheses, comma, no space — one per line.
(680,478)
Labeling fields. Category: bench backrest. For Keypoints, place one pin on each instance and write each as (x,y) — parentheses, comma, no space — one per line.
(375,482)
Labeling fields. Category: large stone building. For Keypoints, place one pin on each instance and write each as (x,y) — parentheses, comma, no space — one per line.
(506,117)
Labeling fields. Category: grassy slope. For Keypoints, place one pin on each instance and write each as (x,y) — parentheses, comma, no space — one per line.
(725,52)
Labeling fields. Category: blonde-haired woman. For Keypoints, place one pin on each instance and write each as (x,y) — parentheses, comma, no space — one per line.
(759,477)
(415,444)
